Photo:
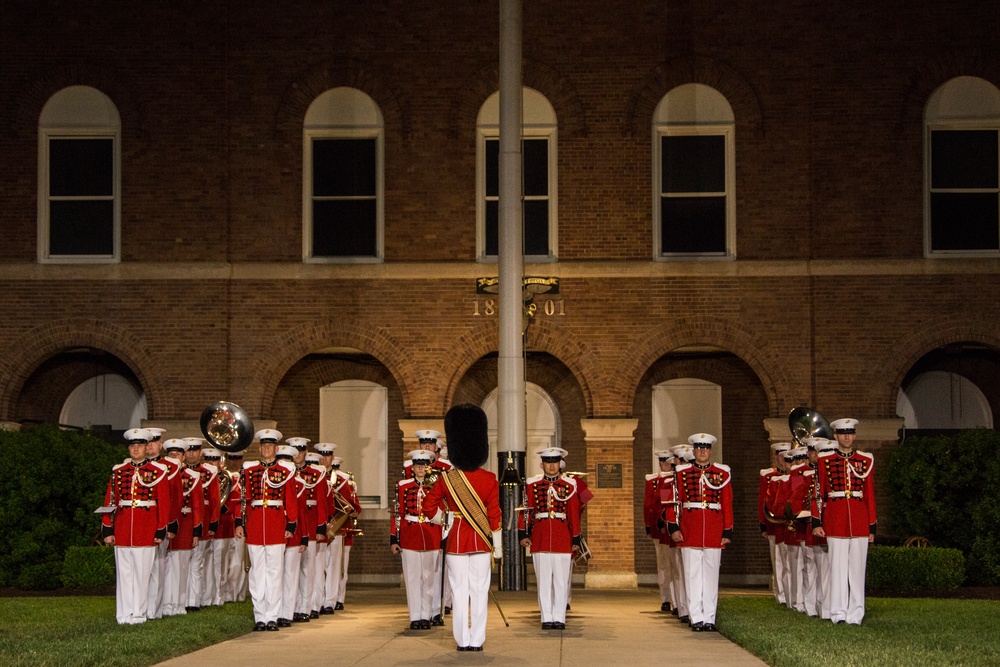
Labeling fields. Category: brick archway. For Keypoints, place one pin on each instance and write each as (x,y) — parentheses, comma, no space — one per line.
(754,350)
(542,337)
(271,365)
(46,341)
(887,378)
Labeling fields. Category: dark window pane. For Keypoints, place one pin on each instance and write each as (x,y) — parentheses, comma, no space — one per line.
(536,227)
(964,222)
(694,224)
(81,168)
(694,164)
(81,228)
(536,167)
(964,159)
(492,167)
(344,167)
(344,228)
(492,227)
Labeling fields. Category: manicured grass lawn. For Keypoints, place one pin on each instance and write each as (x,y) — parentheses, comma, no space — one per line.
(896,631)
(72,631)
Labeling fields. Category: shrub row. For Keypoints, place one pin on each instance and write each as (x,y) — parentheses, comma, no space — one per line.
(909,569)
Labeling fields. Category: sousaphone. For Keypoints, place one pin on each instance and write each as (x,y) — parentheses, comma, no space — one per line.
(227,427)
(807,423)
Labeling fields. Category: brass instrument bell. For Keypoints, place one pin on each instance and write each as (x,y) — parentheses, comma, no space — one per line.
(227,426)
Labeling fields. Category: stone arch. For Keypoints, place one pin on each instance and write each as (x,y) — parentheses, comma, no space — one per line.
(692,69)
(483,338)
(886,379)
(273,363)
(45,341)
(319,78)
(32,95)
(923,81)
(751,348)
(557,89)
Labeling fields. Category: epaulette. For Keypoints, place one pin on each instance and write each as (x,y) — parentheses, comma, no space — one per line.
(766,471)
(533,479)
(159,466)
(867,455)
(404,482)
(211,467)
(194,473)
(121,465)
(683,466)
(652,476)
(828,453)
(569,480)
(287,465)
(249,464)
(724,467)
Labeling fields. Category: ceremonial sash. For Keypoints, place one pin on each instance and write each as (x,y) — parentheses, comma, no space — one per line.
(470,505)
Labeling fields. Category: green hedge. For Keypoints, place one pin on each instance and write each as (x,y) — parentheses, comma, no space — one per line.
(89,567)
(909,569)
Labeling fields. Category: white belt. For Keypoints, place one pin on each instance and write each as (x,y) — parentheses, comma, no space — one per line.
(701,506)
(270,503)
(310,503)
(846,494)
(136,503)
(185,510)
(415,519)
(550,515)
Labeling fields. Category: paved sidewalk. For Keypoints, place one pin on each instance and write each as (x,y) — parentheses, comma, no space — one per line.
(603,628)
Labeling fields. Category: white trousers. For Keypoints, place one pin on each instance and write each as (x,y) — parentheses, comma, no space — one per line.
(810,587)
(552,575)
(848,560)
(292,560)
(780,574)
(421,570)
(794,567)
(821,556)
(319,577)
(265,580)
(469,575)
(701,580)
(175,582)
(157,577)
(219,553)
(132,568)
(233,581)
(196,578)
(680,589)
(306,580)
(664,574)
(336,562)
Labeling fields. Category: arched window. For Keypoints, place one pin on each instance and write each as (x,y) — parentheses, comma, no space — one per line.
(79,180)
(962,163)
(682,407)
(539,177)
(694,160)
(342,183)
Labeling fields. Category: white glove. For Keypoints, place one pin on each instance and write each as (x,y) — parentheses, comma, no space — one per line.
(497,544)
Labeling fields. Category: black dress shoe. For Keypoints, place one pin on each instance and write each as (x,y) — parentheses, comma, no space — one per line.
(259,626)
(665,606)
(567,606)
(473,648)
(192,608)
(437,620)
(314,614)
(272,626)
(447,610)
(338,606)
(698,627)
(461,648)
(675,612)
(299,618)
(425,624)
(685,619)
(546,626)
(709,627)
(284,623)
(326,610)
(414,625)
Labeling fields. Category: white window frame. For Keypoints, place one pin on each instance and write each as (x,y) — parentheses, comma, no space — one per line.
(98,119)
(728,134)
(490,129)
(323,130)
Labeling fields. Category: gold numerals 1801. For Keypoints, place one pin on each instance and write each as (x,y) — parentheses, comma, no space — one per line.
(548,307)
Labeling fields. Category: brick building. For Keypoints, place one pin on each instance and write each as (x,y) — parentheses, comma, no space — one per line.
(749,207)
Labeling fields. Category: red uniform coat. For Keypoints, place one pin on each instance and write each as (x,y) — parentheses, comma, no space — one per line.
(228,508)
(788,502)
(270,506)
(653,508)
(316,496)
(300,536)
(342,485)
(411,528)
(847,489)
(138,491)
(705,507)
(213,504)
(462,538)
(192,513)
(765,476)
(802,501)
(553,497)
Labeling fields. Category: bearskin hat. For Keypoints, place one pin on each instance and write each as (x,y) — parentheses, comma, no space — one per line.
(465,429)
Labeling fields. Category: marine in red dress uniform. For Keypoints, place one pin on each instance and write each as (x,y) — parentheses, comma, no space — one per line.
(171,495)
(793,534)
(701,525)
(654,516)
(848,520)
(324,586)
(297,543)
(191,512)
(768,525)
(267,518)
(468,553)
(342,484)
(231,557)
(201,581)
(313,475)
(137,523)
(551,528)
(418,541)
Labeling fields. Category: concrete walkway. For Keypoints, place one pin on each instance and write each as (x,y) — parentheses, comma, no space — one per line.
(603,628)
